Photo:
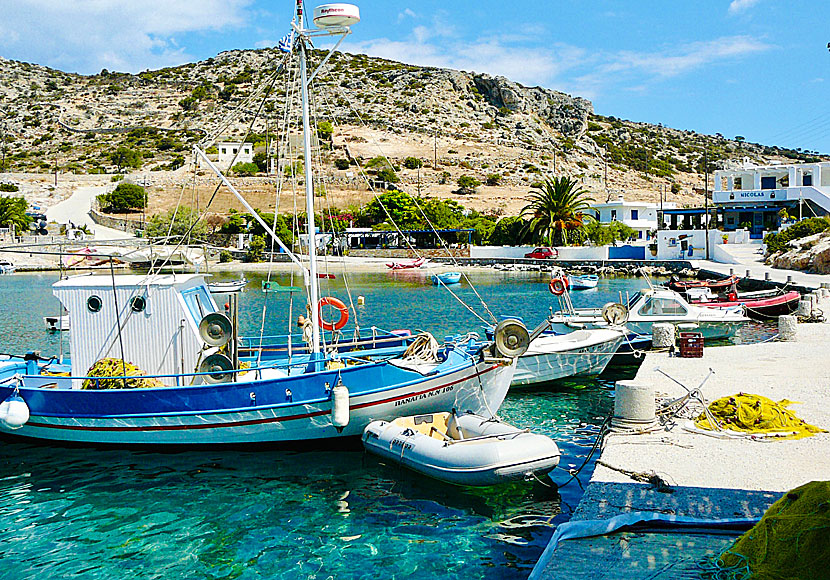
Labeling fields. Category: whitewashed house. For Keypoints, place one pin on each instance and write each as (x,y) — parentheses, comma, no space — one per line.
(638,215)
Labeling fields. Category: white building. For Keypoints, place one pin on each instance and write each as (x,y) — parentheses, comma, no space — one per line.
(228,151)
(639,215)
(753,195)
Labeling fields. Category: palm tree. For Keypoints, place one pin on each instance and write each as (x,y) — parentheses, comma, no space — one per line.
(13,213)
(555,207)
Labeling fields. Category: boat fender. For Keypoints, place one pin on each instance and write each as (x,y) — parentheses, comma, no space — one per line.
(340,406)
(339,306)
(558,286)
(14,412)
(732,296)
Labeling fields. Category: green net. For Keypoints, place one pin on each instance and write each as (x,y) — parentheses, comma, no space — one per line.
(791,542)
(756,414)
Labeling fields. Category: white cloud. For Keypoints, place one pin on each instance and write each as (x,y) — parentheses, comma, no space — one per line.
(406,13)
(123,35)
(737,6)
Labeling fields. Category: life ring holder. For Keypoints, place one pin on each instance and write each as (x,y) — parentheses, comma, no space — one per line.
(339,306)
(558,286)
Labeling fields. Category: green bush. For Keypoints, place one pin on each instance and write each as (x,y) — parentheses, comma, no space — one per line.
(256,249)
(117,178)
(9,187)
(467,184)
(245,169)
(341,163)
(493,179)
(804,228)
(412,163)
(388,174)
(125,197)
(225,256)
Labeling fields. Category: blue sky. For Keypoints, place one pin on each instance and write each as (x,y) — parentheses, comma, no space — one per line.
(756,68)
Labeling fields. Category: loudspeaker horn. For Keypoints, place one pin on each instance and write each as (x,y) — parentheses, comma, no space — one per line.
(511,337)
(615,314)
(219,366)
(215,329)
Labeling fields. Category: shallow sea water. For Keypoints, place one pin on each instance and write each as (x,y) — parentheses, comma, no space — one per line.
(331,512)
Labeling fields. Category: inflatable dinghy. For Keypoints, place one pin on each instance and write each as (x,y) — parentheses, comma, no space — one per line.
(462,449)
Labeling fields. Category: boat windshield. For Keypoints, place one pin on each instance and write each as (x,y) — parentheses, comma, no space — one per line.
(633,300)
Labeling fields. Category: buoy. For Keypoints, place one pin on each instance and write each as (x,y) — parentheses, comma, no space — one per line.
(361,301)
(340,406)
(14,412)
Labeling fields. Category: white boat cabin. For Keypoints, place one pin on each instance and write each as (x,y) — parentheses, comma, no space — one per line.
(158,318)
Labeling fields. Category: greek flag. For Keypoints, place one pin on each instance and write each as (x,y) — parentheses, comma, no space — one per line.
(286,42)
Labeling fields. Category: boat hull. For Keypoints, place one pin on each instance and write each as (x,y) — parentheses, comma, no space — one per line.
(760,308)
(550,357)
(252,411)
(583,282)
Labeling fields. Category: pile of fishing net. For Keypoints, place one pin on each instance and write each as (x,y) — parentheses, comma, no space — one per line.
(109,369)
(792,541)
(755,414)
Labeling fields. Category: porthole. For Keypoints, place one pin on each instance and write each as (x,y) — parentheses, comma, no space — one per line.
(93,303)
(138,303)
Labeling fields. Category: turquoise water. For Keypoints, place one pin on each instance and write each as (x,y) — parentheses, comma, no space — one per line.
(332,512)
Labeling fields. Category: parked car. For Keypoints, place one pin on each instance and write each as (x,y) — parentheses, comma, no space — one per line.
(543,254)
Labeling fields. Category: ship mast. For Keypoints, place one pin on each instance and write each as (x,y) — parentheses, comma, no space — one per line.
(314,289)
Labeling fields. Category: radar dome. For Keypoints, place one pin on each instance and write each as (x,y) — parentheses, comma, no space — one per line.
(336,15)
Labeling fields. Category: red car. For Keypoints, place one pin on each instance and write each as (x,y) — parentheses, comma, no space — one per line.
(543,254)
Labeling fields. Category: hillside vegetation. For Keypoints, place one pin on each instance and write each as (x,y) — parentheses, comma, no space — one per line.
(504,136)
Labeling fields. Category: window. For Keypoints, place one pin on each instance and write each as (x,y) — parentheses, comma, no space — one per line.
(738,183)
(808,179)
(224,151)
(639,234)
(613,215)
(138,303)
(635,214)
(93,303)
(198,302)
(768,182)
(662,307)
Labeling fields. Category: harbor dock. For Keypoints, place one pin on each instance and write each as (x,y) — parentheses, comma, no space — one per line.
(698,475)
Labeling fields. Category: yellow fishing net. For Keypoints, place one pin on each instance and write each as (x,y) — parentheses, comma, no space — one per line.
(791,542)
(756,414)
(112,367)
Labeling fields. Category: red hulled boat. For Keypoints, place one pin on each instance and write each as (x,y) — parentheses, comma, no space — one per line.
(724,284)
(758,305)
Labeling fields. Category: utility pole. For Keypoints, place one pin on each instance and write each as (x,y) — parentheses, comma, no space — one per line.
(706,194)
(554,160)
(660,217)
(56,169)
(435,151)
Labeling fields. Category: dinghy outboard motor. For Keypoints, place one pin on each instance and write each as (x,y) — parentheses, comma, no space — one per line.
(511,338)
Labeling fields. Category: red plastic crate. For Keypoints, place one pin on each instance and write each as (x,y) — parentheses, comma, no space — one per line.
(691,345)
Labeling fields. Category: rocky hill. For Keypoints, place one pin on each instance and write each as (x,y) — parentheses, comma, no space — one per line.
(506,135)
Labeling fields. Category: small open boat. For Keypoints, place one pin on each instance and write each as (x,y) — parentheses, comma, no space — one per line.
(758,305)
(227,286)
(585,282)
(406,265)
(6,267)
(462,449)
(679,285)
(446,278)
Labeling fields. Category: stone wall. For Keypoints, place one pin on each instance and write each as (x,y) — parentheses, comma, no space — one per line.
(109,221)
(409,254)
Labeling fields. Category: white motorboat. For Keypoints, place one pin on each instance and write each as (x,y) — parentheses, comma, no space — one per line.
(462,449)
(6,267)
(557,356)
(585,282)
(650,306)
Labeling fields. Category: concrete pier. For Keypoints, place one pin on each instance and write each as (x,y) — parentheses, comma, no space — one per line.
(709,477)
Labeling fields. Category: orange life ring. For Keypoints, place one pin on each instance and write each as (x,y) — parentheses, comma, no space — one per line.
(341,308)
(558,286)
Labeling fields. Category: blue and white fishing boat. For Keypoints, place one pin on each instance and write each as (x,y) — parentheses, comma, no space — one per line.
(585,282)
(446,278)
(184,383)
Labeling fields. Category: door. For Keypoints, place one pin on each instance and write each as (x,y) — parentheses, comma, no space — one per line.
(757,225)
